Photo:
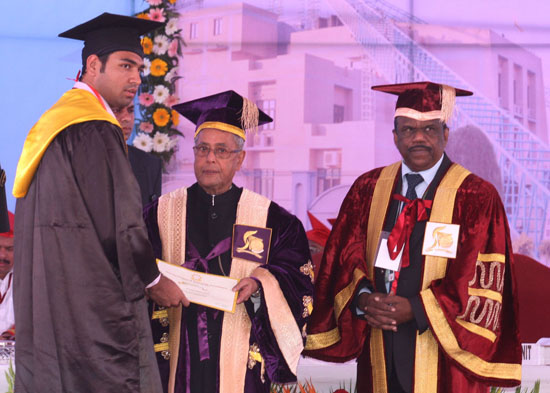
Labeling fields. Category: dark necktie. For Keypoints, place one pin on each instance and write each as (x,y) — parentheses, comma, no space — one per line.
(413,179)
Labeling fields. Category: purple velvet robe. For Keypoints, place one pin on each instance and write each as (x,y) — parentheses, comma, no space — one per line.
(209,221)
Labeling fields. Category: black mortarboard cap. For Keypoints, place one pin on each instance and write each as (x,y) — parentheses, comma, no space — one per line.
(109,33)
(227,111)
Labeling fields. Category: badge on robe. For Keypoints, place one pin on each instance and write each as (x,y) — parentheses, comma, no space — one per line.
(251,243)
(440,240)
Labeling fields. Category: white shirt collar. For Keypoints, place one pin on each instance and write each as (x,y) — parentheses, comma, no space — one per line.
(85,86)
(428,175)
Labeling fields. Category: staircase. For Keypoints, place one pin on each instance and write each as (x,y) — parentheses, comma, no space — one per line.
(524,159)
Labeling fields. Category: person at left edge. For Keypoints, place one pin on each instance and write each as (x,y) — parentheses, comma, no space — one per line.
(82,257)
(4,222)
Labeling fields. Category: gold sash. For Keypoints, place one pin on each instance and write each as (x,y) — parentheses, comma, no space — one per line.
(75,106)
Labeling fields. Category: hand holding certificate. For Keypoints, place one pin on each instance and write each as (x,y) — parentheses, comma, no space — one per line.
(205,289)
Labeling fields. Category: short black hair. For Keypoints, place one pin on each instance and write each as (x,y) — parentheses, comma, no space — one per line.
(103,59)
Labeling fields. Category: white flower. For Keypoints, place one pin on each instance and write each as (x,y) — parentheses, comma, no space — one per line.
(143,142)
(173,143)
(172,26)
(160,93)
(161,44)
(146,66)
(160,142)
(171,74)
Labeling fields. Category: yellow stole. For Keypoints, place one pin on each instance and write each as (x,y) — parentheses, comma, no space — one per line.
(75,106)
(234,348)
(426,355)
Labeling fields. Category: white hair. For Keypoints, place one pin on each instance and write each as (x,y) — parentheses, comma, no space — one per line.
(238,141)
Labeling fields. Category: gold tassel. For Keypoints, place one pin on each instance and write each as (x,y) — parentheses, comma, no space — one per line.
(448,97)
(250,116)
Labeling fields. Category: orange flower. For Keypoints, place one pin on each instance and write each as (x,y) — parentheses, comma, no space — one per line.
(175,117)
(159,67)
(142,16)
(172,1)
(147,45)
(161,117)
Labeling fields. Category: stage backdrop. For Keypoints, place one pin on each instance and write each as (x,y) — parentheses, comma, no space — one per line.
(310,65)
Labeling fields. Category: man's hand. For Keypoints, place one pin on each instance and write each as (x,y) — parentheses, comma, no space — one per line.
(246,287)
(166,293)
(385,311)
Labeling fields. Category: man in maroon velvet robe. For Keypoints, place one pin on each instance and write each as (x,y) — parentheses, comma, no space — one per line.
(201,349)
(444,320)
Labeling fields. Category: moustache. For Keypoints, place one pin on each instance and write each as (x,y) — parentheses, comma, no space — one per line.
(416,147)
(5,262)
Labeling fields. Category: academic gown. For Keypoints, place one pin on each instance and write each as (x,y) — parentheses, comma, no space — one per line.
(82,260)
(210,220)
(476,345)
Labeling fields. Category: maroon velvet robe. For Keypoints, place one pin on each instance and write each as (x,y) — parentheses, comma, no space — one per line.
(478,346)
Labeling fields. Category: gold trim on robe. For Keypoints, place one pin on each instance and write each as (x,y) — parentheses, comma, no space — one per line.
(377,214)
(427,351)
(322,340)
(476,329)
(466,359)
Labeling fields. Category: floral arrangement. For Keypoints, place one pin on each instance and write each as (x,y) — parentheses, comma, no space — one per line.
(156,131)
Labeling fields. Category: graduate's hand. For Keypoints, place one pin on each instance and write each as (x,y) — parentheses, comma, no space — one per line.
(166,293)
(246,287)
(378,313)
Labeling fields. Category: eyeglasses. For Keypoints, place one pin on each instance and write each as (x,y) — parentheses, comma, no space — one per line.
(429,131)
(220,152)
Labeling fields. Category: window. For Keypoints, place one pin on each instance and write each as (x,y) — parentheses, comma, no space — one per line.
(217,26)
(339,112)
(193,30)
(503,82)
(263,182)
(268,106)
(327,178)
(531,96)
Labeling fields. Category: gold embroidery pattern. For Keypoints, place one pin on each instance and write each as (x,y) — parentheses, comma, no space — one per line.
(482,313)
(450,345)
(165,355)
(164,321)
(307,269)
(307,302)
(164,338)
(254,356)
(304,330)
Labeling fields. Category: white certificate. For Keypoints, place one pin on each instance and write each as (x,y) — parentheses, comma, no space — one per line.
(206,289)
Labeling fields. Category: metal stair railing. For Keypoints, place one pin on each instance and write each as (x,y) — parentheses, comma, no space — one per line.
(523,157)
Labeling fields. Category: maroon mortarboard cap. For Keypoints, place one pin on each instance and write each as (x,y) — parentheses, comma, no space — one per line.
(11,218)
(109,33)
(424,100)
(227,111)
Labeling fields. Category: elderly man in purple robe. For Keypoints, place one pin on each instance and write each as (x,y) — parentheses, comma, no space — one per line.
(216,227)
